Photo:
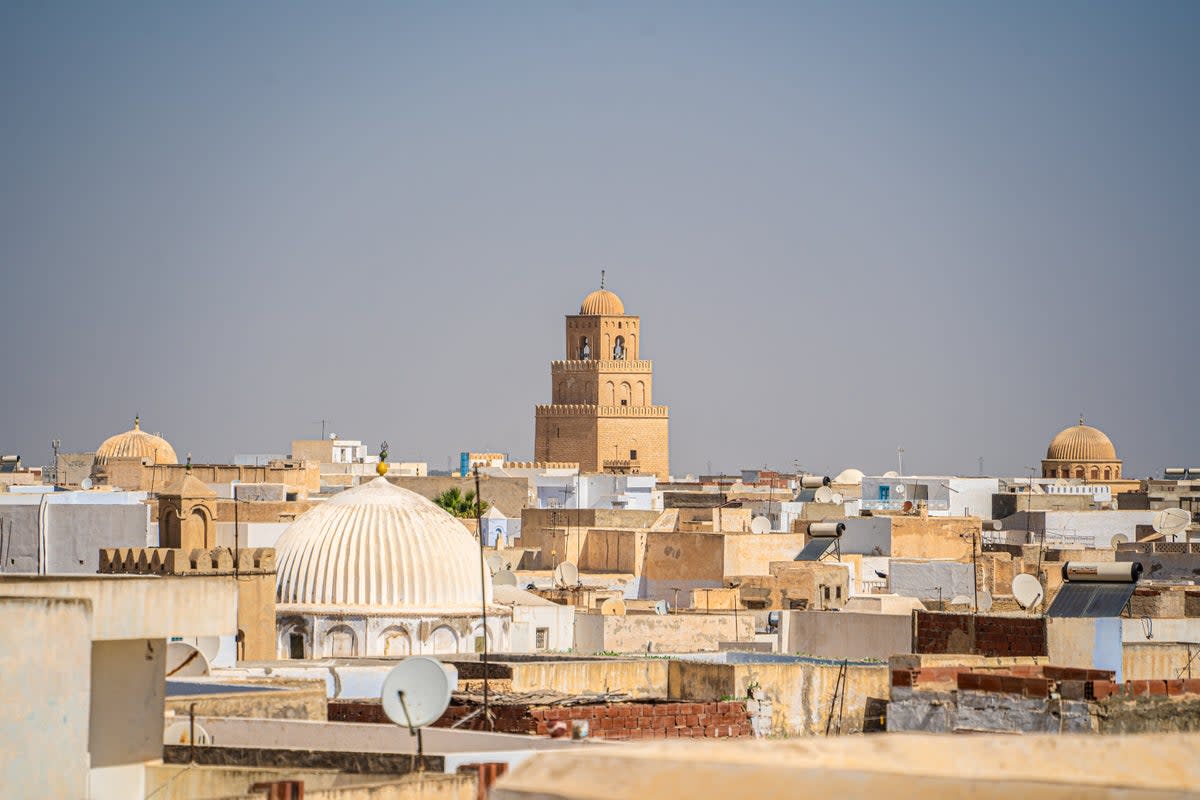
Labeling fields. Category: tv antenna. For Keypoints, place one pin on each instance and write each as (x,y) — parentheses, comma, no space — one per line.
(416,693)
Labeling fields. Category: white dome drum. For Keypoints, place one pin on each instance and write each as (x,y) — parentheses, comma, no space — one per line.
(378,548)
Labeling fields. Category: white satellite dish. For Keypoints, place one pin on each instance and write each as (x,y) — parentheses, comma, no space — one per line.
(837,498)
(661,608)
(417,691)
(86,483)
(613,607)
(209,646)
(566,574)
(891,473)
(1118,538)
(899,490)
(495,563)
(960,600)
(823,495)
(1027,590)
(181,733)
(504,578)
(185,661)
(760,525)
(1172,521)
(983,601)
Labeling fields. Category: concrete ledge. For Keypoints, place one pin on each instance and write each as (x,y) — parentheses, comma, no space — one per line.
(141,607)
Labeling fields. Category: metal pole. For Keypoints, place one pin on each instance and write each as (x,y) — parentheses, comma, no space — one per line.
(487,713)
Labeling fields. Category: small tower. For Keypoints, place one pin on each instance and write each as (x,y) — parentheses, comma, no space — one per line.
(187,512)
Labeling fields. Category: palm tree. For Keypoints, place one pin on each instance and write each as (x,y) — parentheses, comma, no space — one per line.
(459,504)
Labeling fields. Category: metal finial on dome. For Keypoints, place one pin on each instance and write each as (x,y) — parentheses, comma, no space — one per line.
(1081,419)
(137,422)
(601,279)
(382,466)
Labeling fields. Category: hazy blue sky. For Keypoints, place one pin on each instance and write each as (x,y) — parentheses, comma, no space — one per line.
(846,226)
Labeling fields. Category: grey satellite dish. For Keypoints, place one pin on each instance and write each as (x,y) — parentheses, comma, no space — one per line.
(837,498)
(185,661)
(495,563)
(760,525)
(182,732)
(566,574)
(209,646)
(983,601)
(504,578)
(1171,521)
(86,483)
(1026,590)
(823,495)
(417,691)
(899,490)
(1118,538)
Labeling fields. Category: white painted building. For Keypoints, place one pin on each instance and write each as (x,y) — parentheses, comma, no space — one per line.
(945,496)
(538,625)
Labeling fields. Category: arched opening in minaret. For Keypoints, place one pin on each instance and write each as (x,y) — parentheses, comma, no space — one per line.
(619,349)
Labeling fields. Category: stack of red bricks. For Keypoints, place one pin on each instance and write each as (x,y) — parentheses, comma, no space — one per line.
(1027,680)
(651,720)
(1153,688)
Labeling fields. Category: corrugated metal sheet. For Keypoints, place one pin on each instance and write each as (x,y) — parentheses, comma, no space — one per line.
(1091,600)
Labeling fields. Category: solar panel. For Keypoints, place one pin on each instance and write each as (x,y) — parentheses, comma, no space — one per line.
(815,549)
(1091,599)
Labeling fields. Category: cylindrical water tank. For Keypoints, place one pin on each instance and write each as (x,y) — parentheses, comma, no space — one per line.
(814,481)
(993,525)
(826,530)
(1102,571)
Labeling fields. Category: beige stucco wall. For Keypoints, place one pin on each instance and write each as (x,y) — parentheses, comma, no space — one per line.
(846,634)
(1159,660)
(801,693)
(900,766)
(44,717)
(752,554)
(935,537)
(182,782)
(670,633)
(639,678)
(128,690)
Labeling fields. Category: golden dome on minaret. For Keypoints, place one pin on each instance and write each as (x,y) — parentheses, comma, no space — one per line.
(602,302)
(136,443)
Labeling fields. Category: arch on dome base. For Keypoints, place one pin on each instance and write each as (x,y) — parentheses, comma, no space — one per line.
(395,640)
(294,638)
(442,639)
(340,641)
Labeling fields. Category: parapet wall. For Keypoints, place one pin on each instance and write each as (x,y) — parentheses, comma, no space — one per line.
(176,561)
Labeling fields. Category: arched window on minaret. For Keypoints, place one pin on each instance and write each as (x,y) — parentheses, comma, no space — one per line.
(585,350)
(619,349)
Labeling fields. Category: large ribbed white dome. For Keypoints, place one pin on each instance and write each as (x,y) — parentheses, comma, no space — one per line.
(380,546)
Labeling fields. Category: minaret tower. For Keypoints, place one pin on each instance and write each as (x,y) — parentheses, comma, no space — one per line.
(601,413)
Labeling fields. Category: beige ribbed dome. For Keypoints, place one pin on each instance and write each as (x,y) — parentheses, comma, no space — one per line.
(602,301)
(379,546)
(136,443)
(1081,443)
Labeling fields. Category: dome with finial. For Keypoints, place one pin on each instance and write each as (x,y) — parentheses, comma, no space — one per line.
(380,547)
(136,443)
(1081,443)
(602,302)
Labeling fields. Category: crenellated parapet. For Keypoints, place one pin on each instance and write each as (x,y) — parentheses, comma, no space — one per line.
(177,561)
(640,365)
(582,410)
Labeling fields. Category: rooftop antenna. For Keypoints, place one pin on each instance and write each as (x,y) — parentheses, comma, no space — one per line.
(323,422)
(483,577)
(416,693)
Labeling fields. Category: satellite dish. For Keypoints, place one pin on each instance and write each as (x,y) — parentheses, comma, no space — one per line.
(837,498)
(1027,590)
(899,490)
(185,661)
(181,733)
(504,578)
(823,495)
(983,601)
(566,574)
(613,607)
(1171,521)
(891,473)
(209,646)
(1118,538)
(661,608)
(907,507)
(760,525)
(495,563)
(86,483)
(417,691)
(960,600)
